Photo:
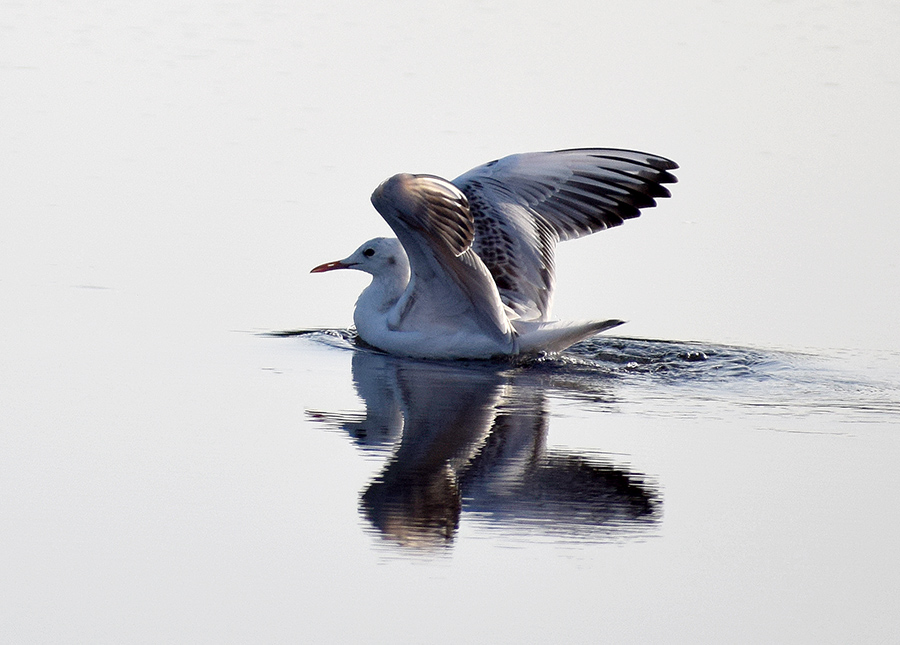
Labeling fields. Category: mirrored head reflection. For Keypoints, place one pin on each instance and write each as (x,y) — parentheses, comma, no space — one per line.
(467,442)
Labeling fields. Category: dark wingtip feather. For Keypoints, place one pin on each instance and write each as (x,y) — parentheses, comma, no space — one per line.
(661,163)
(667,178)
(657,190)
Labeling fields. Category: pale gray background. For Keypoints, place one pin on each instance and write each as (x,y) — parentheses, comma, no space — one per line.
(170,149)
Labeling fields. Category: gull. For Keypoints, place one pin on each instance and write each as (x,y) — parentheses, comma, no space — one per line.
(471,272)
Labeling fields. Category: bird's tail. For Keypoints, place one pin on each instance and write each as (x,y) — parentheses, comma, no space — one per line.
(556,336)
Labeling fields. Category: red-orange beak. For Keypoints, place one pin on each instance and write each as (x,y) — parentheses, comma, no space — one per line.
(331,266)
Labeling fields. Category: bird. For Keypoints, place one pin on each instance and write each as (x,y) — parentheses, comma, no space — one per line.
(471,271)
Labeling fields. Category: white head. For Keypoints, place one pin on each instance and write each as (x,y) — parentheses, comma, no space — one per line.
(383,256)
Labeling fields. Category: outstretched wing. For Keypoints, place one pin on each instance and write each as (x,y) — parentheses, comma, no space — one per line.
(450,286)
(523,204)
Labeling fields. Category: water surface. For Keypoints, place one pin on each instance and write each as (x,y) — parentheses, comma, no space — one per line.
(467,441)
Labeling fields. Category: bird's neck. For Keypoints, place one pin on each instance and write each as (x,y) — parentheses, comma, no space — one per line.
(382,294)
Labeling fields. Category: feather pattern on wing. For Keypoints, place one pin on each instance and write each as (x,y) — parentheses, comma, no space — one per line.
(431,218)
(523,204)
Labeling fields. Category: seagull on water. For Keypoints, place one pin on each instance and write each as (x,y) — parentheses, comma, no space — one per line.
(471,274)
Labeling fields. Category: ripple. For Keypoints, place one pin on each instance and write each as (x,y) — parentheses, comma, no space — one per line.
(608,369)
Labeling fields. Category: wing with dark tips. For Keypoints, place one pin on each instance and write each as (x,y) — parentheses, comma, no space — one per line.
(522,205)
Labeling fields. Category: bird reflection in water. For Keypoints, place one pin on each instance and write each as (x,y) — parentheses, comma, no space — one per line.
(472,437)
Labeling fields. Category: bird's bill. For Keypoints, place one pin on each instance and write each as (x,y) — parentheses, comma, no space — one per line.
(330,266)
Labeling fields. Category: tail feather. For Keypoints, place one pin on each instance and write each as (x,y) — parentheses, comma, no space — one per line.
(556,336)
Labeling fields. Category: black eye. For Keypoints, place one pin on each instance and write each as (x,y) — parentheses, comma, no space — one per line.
(369,252)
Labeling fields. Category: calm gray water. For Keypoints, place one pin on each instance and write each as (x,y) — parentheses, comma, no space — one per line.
(171,472)
(180,484)
(627,489)
(468,441)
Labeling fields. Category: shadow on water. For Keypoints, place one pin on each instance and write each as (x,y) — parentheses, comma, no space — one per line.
(467,439)
(470,438)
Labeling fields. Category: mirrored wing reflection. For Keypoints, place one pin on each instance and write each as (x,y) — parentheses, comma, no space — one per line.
(469,443)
